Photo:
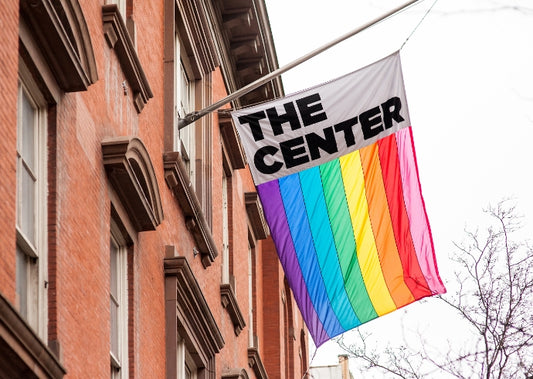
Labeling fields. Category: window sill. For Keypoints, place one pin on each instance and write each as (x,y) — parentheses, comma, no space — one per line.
(27,353)
(256,216)
(117,37)
(235,374)
(256,364)
(229,301)
(178,181)
(231,140)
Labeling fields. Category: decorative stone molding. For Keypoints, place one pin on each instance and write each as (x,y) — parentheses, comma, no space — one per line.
(188,317)
(255,215)
(178,181)
(118,38)
(229,301)
(60,30)
(195,23)
(231,140)
(26,354)
(236,373)
(249,51)
(130,172)
(256,364)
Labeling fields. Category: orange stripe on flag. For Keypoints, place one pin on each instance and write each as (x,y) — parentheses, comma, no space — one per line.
(382,226)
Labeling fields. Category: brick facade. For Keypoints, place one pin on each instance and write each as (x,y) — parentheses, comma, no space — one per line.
(8,116)
(117,98)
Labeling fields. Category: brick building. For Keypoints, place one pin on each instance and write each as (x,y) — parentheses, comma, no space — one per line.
(129,248)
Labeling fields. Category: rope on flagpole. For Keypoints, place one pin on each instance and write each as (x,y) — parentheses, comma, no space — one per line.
(417,25)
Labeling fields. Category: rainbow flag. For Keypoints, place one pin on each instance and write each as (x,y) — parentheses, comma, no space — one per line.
(336,172)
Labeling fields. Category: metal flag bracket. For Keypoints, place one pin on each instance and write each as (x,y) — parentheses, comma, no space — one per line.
(195,115)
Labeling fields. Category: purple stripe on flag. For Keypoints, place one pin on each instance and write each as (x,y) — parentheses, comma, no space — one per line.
(270,195)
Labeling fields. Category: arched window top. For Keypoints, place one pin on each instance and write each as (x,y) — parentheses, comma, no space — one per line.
(132,176)
(60,29)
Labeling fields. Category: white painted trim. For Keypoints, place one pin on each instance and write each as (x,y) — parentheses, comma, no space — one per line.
(225,229)
(36,252)
(122,299)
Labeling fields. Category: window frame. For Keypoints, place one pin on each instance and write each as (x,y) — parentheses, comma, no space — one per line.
(226,228)
(251,295)
(184,103)
(188,43)
(33,255)
(120,361)
(186,367)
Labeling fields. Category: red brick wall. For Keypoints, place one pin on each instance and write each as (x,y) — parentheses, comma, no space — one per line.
(83,201)
(80,208)
(8,130)
(283,323)
(273,328)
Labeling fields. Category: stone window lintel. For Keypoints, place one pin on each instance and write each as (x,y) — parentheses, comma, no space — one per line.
(130,172)
(60,30)
(194,315)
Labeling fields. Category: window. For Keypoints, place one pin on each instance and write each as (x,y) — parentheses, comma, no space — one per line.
(135,207)
(228,285)
(31,249)
(251,270)
(118,300)
(186,367)
(225,228)
(188,336)
(190,60)
(184,103)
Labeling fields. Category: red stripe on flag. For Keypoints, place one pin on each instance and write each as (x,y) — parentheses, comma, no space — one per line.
(413,276)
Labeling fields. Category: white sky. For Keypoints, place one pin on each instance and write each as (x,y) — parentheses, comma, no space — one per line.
(468,72)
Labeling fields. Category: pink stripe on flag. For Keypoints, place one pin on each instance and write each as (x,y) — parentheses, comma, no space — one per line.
(416,211)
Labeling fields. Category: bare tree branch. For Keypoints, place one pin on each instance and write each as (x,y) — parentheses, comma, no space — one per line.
(494,297)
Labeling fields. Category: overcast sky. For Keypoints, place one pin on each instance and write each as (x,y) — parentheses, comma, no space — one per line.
(468,72)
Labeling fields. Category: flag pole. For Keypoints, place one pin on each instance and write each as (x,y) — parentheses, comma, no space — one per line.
(195,115)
